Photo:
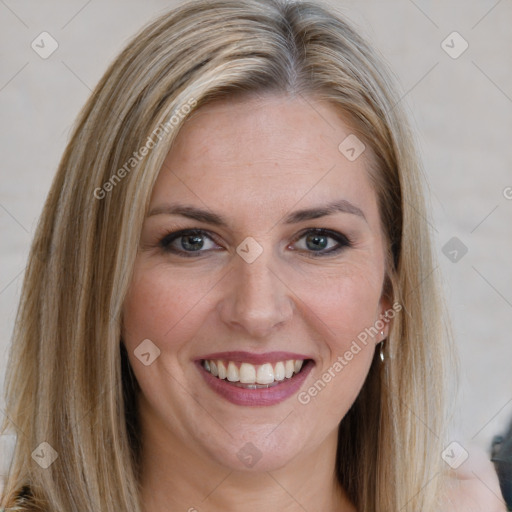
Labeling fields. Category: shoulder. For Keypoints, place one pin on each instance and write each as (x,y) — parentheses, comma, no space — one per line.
(473,487)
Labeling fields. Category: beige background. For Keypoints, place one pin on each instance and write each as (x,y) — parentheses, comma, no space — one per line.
(461,109)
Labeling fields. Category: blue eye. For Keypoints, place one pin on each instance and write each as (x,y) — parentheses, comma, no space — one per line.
(194,242)
(319,242)
(189,241)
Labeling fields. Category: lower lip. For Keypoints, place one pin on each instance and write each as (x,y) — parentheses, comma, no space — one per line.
(257,397)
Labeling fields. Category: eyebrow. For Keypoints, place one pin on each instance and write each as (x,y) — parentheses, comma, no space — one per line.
(209,217)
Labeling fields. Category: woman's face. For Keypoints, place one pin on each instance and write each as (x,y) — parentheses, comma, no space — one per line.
(272,272)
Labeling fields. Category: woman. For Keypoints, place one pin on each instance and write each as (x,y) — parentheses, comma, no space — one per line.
(230,301)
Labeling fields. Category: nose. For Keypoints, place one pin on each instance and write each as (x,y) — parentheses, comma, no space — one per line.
(256,301)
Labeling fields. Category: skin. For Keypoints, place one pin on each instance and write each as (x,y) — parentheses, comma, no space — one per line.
(474,486)
(253,160)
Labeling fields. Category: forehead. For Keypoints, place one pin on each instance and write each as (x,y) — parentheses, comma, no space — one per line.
(265,149)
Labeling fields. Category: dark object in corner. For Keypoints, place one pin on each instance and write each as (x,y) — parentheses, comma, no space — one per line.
(501,455)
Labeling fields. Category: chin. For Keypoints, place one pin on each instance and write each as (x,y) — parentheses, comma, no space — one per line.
(256,452)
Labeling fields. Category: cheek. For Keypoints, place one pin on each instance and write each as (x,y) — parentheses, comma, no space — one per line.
(346,300)
(351,308)
(167,309)
(160,306)
(345,306)
(350,314)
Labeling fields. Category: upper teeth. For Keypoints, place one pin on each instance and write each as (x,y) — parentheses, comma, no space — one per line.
(247,373)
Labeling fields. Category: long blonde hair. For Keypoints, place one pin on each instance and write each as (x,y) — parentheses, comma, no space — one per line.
(68,380)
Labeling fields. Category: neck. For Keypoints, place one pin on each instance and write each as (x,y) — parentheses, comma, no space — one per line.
(176,477)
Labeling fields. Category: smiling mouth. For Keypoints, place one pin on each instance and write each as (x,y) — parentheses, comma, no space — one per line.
(250,376)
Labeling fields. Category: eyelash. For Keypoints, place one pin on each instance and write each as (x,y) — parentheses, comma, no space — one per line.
(165,242)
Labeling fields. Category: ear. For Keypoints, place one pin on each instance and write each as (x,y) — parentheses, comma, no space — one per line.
(384,307)
(385,313)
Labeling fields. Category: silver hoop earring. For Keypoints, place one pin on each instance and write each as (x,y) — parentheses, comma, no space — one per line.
(381,351)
